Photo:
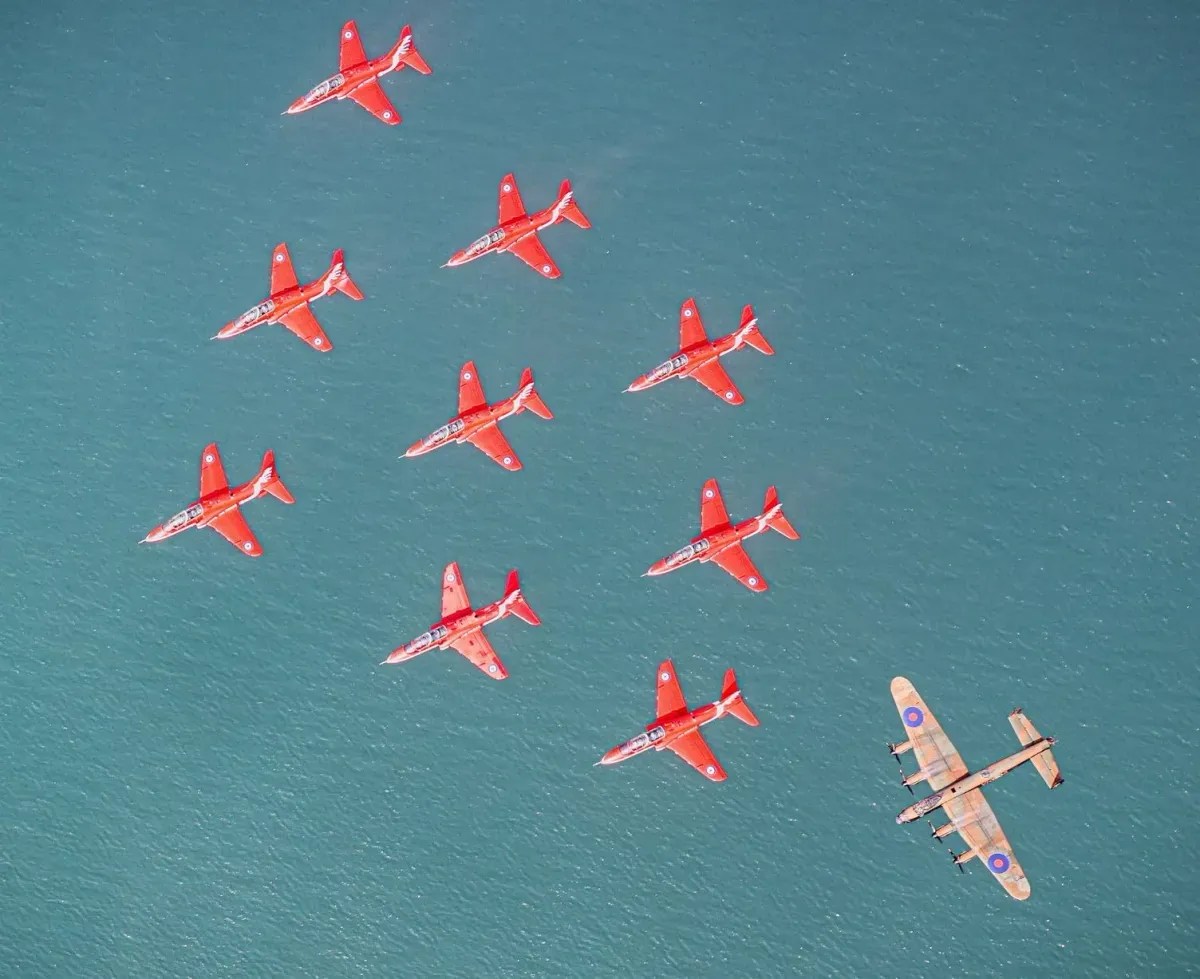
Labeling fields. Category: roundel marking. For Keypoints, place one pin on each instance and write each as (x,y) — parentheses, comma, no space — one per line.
(914,716)
(466,375)
(279,257)
(508,460)
(664,676)
(752,580)
(449,577)
(711,770)
(348,35)
(248,546)
(687,311)
(708,494)
(209,457)
(317,341)
(728,395)
(507,188)
(491,667)
(546,269)
(387,113)
(998,863)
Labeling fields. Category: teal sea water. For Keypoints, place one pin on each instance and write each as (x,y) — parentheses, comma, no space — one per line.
(970,231)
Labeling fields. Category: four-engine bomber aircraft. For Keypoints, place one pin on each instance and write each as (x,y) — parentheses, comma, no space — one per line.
(721,543)
(358,77)
(218,504)
(461,627)
(959,793)
(517,231)
(288,302)
(700,357)
(678,728)
(478,422)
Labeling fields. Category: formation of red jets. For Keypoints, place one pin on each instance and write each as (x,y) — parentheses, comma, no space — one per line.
(477,422)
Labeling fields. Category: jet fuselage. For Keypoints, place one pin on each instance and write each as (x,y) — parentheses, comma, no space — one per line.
(504,236)
(664,731)
(452,628)
(340,86)
(707,546)
(206,509)
(274,308)
(469,423)
(687,361)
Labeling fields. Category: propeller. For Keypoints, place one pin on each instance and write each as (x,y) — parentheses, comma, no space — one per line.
(892,751)
(954,857)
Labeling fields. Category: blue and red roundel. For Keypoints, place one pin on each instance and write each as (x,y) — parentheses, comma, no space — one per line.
(998,863)
(913,716)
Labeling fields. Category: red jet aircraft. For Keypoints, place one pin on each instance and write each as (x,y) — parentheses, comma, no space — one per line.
(721,542)
(461,627)
(699,357)
(218,504)
(288,302)
(678,728)
(478,422)
(517,231)
(358,78)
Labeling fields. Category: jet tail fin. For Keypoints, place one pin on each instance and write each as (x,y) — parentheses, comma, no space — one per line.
(731,696)
(778,522)
(533,401)
(343,283)
(569,209)
(274,484)
(518,606)
(1027,734)
(754,337)
(408,54)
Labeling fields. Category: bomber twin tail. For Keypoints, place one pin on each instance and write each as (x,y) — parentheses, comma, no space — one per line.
(700,358)
(218,506)
(358,77)
(289,301)
(478,423)
(461,627)
(677,728)
(721,542)
(959,793)
(517,232)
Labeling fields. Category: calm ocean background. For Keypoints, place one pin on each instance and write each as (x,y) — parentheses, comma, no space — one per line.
(970,232)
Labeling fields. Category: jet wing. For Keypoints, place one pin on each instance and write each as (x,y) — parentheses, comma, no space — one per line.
(976,823)
(233,527)
(693,749)
(669,695)
(511,205)
(351,54)
(691,328)
(454,592)
(531,251)
(712,375)
(283,275)
(938,758)
(302,323)
(470,391)
(492,441)
(478,650)
(212,473)
(713,515)
(372,98)
(736,561)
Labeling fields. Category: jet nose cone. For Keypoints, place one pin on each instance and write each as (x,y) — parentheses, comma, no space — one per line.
(227,331)
(638,385)
(153,537)
(297,106)
(415,449)
(611,757)
(657,568)
(396,656)
(455,260)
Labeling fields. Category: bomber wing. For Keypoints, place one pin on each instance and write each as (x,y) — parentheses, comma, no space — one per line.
(302,323)
(351,54)
(511,205)
(454,592)
(492,442)
(283,273)
(212,472)
(691,327)
(669,698)
(736,561)
(233,527)
(712,375)
(371,96)
(470,390)
(977,824)
(939,760)
(532,252)
(693,749)
(478,650)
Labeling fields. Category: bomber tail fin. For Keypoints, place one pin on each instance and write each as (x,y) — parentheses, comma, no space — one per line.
(405,53)
(1027,734)
(517,604)
(274,484)
(778,522)
(753,336)
(731,697)
(533,401)
(342,281)
(567,207)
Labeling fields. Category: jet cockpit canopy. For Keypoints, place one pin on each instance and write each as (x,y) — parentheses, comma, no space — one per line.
(177,521)
(327,86)
(699,547)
